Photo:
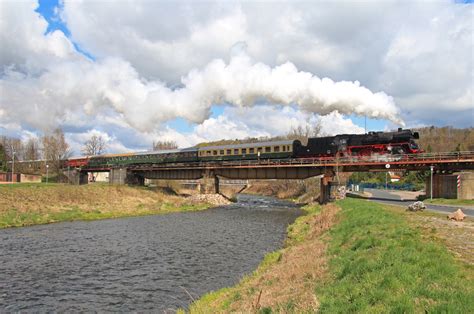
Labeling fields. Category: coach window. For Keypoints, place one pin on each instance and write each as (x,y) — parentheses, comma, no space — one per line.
(244,150)
(268,149)
(214,152)
(276,149)
(284,148)
(251,150)
(221,152)
(236,151)
(229,152)
(259,149)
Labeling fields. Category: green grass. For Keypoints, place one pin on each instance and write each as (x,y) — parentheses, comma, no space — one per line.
(446,201)
(28,185)
(297,231)
(380,264)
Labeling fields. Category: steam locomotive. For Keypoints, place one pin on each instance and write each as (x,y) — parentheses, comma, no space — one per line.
(399,142)
(380,143)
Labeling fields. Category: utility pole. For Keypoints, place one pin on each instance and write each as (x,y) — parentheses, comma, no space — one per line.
(431,182)
(47,168)
(13,163)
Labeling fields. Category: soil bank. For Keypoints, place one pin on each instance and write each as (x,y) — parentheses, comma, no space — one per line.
(31,204)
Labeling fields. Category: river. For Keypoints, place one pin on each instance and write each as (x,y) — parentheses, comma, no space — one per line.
(152,263)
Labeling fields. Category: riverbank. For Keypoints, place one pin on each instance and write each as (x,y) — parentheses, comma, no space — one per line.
(31,204)
(357,256)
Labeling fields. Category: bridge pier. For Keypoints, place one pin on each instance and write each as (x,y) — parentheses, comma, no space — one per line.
(133,178)
(76,177)
(325,189)
(459,185)
(209,183)
(125,176)
(117,175)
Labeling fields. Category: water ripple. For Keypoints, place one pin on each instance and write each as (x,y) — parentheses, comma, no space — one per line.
(154,263)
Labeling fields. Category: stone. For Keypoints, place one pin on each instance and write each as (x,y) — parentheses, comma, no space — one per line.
(457,215)
(416,206)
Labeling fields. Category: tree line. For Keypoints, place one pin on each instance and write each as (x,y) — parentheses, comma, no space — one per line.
(446,139)
(51,147)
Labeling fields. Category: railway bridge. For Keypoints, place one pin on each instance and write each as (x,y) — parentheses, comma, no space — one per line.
(210,173)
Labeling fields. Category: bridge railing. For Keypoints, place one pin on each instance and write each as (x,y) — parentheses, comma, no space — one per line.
(464,156)
(424,157)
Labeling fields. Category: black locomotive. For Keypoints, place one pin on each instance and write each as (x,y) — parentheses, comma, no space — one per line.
(398,142)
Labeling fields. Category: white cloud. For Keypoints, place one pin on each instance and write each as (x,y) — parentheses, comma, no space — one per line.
(25,46)
(259,121)
(419,52)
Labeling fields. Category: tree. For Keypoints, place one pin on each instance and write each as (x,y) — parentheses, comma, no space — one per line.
(96,145)
(164,145)
(3,161)
(55,149)
(303,133)
(11,145)
(31,150)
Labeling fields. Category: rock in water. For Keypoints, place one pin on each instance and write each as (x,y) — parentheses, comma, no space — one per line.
(457,215)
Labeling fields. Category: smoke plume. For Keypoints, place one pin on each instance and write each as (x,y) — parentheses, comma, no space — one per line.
(83,86)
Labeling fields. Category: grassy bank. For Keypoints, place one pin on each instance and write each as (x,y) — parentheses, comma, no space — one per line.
(379,263)
(30,204)
(372,259)
(446,201)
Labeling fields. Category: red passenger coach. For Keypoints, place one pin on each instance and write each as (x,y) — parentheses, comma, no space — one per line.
(77,162)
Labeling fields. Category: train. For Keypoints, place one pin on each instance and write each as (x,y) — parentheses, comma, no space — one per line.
(398,142)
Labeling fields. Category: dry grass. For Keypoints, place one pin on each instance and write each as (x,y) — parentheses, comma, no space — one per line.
(40,203)
(285,281)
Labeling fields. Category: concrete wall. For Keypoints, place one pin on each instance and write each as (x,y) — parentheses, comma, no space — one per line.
(117,176)
(30,178)
(466,191)
(445,186)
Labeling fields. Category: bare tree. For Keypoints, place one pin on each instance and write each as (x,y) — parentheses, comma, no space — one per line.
(164,145)
(55,149)
(303,133)
(3,159)
(31,150)
(96,145)
(11,145)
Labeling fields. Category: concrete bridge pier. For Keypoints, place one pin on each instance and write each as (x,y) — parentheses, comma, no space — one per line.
(133,178)
(326,183)
(117,175)
(76,177)
(209,183)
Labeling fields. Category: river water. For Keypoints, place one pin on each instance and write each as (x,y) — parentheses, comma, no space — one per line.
(152,263)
